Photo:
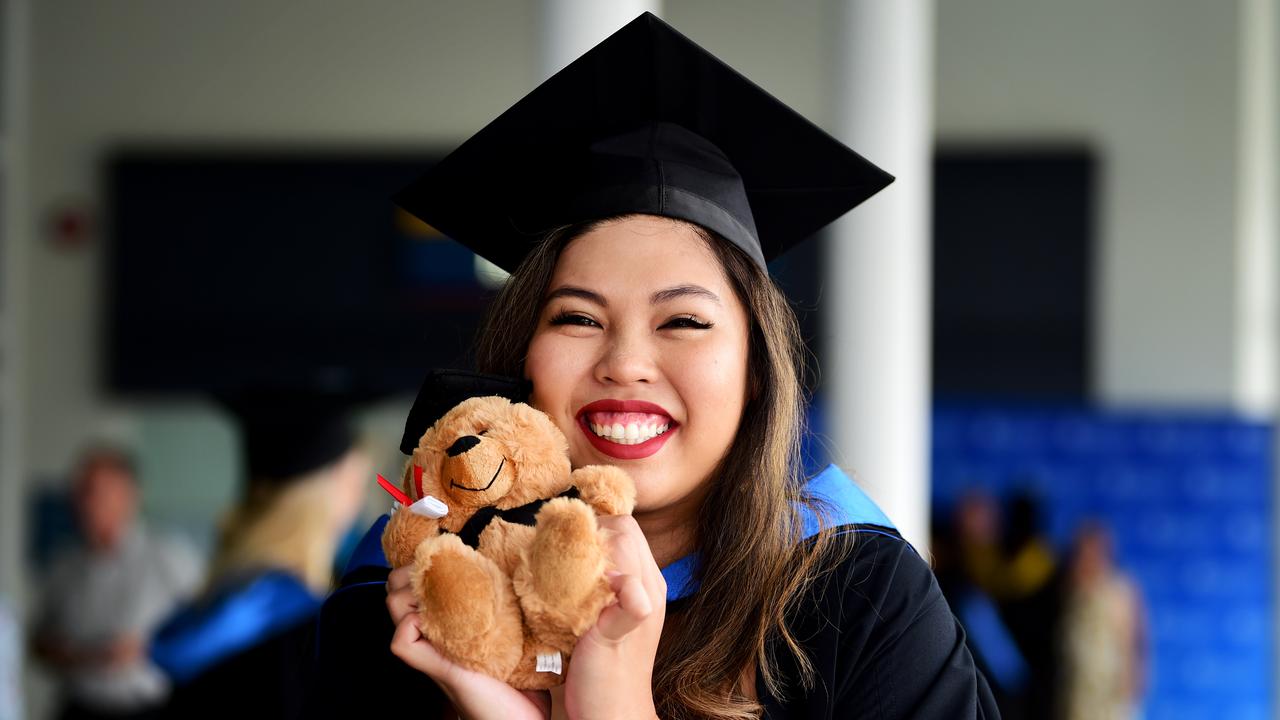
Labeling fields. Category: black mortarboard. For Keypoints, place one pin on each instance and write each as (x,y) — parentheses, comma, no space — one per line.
(442,389)
(645,122)
(287,434)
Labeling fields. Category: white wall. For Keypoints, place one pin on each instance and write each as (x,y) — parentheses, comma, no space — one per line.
(302,73)
(1152,84)
(397,73)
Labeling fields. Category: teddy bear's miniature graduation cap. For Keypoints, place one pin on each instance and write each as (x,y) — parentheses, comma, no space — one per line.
(645,122)
(442,389)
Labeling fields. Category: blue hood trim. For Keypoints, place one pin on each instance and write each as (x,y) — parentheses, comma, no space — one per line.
(235,618)
(844,503)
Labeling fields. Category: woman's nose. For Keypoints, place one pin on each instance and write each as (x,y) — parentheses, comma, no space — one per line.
(626,360)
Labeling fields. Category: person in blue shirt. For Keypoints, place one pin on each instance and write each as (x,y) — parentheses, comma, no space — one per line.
(636,198)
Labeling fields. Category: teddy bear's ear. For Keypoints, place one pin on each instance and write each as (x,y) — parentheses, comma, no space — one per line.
(539,451)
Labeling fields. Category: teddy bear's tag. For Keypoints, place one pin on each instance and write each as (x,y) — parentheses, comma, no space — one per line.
(430,507)
(550,662)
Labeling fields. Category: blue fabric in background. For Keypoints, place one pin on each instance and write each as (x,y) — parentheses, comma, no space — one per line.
(1188,501)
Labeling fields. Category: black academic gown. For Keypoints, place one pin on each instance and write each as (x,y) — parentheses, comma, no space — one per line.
(881,636)
(883,642)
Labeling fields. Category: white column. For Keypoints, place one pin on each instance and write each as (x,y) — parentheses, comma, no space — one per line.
(876,303)
(1256,216)
(1258,232)
(572,27)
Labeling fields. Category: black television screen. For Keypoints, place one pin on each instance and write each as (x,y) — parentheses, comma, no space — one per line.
(228,270)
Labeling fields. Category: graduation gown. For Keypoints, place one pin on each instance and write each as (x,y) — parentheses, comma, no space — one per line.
(246,650)
(881,636)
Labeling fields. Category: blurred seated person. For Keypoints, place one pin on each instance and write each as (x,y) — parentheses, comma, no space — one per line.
(104,597)
(244,646)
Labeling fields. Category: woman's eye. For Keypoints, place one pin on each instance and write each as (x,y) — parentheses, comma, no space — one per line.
(572,318)
(686,321)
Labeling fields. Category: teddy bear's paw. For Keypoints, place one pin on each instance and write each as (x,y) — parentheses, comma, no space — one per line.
(561,581)
(463,595)
(607,489)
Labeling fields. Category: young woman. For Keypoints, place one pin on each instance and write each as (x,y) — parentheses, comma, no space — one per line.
(651,333)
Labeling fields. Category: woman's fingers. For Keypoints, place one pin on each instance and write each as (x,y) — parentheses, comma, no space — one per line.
(541,700)
(630,553)
(400,578)
(409,645)
(612,669)
(631,609)
(401,601)
(475,696)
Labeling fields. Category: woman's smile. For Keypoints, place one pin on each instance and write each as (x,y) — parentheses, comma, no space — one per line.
(626,429)
(640,357)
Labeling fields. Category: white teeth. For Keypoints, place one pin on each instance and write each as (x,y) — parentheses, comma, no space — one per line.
(630,434)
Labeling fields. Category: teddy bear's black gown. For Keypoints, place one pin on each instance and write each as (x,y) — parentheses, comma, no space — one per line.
(879,632)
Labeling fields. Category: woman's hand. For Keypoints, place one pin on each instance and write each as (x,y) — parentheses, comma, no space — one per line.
(475,696)
(611,673)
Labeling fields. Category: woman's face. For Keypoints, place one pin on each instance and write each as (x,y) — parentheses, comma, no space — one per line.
(640,357)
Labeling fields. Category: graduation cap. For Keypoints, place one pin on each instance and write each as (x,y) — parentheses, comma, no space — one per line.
(442,389)
(645,122)
(286,435)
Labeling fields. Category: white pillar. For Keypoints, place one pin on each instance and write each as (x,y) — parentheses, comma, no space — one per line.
(876,304)
(1256,216)
(1258,232)
(572,27)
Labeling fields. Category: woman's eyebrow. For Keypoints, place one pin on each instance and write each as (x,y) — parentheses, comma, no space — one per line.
(576,292)
(682,291)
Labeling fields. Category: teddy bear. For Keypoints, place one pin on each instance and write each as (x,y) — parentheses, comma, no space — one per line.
(509,563)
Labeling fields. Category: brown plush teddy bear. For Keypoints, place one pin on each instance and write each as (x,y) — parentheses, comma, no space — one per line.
(513,572)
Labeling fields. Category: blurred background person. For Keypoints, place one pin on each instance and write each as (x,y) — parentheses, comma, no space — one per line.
(105,597)
(972,523)
(1103,637)
(245,643)
(1010,560)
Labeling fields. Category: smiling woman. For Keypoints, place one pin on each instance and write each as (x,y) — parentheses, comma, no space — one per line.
(645,320)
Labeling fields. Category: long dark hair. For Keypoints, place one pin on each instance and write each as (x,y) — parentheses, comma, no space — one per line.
(754,564)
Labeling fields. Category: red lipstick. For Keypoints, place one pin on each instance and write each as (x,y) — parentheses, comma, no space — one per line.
(618,450)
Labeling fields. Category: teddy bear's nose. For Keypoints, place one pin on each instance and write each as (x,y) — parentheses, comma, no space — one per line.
(462,444)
